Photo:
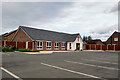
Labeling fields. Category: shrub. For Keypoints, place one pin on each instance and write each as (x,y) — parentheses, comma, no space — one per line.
(35,50)
(24,50)
(8,49)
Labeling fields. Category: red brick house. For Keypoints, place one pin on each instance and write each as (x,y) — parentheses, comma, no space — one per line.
(96,41)
(48,40)
(8,36)
(93,44)
(114,39)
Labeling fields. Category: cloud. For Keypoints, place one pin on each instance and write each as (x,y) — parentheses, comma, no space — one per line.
(114,9)
(71,17)
(103,33)
(28,13)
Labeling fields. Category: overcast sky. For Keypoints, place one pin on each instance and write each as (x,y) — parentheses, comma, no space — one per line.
(98,19)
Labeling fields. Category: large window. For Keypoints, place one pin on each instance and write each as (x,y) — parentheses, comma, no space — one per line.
(48,45)
(70,45)
(115,39)
(56,45)
(63,45)
(39,45)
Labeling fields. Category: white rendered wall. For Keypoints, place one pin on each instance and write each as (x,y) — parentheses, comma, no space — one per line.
(73,44)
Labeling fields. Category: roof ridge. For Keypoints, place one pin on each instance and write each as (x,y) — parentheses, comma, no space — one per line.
(49,30)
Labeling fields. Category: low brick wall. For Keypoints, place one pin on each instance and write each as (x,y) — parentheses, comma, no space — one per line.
(101,47)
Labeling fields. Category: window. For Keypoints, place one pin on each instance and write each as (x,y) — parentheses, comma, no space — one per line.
(115,39)
(48,45)
(63,45)
(56,45)
(39,45)
(70,45)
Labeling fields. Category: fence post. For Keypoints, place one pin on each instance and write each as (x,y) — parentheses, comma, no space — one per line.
(114,47)
(95,46)
(101,47)
(107,47)
(16,44)
(90,46)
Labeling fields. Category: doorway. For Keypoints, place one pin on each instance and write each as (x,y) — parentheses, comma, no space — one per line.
(77,46)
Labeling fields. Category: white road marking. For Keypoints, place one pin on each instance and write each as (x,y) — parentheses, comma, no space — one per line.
(15,76)
(101,61)
(104,59)
(91,65)
(71,71)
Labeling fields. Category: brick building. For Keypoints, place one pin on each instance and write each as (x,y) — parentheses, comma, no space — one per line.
(114,39)
(47,40)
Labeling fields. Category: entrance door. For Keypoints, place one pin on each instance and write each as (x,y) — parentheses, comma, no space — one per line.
(77,46)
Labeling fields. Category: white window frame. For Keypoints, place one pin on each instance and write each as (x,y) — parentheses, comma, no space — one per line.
(115,39)
(56,46)
(48,46)
(63,46)
(40,46)
(70,47)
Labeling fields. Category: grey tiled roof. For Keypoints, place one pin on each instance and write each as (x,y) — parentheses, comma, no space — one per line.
(40,34)
(7,34)
(92,41)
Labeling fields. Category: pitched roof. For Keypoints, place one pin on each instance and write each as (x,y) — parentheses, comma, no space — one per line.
(118,33)
(7,34)
(93,41)
(40,34)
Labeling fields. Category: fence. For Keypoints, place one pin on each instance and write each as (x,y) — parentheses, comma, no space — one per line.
(102,47)
(17,44)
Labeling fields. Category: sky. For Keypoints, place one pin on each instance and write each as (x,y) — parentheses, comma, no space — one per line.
(97,19)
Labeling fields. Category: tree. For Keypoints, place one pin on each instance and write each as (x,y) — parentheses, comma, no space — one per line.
(85,38)
(89,38)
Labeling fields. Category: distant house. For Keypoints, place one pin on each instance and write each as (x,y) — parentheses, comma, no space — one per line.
(96,41)
(114,39)
(93,44)
(48,40)
(8,36)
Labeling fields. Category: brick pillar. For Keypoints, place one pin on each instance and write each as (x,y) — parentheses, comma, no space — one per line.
(16,44)
(59,45)
(107,47)
(114,47)
(52,46)
(90,46)
(95,46)
(44,45)
(66,46)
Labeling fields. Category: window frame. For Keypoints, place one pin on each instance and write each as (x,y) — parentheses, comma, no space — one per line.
(70,47)
(56,47)
(39,47)
(48,46)
(116,38)
(63,46)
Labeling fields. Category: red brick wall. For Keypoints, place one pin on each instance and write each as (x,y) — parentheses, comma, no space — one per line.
(21,36)
(44,45)
(98,47)
(30,45)
(10,44)
(110,47)
(21,44)
(60,48)
(10,36)
(114,35)
(102,47)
